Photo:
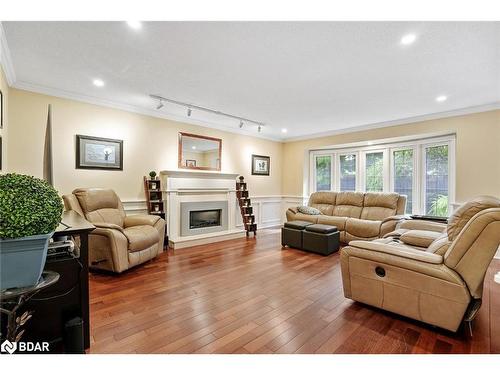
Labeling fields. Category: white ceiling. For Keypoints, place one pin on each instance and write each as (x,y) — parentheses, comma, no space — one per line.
(307,77)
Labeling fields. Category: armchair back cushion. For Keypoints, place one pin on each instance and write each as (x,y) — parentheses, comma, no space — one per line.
(379,206)
(472,249)
(100,205)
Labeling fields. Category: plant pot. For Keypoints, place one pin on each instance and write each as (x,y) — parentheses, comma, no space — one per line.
(22,260)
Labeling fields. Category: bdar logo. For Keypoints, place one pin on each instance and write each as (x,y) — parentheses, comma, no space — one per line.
(8,347)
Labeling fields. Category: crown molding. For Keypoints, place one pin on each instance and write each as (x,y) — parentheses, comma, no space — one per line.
(6,59)
(408,120)
(45,90)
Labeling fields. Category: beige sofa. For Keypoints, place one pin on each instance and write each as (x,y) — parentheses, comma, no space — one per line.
(430,272)
(119,242)
(356,215)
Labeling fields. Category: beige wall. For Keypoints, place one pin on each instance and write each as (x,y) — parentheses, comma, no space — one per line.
(149,143)
(3,132)
(477,151)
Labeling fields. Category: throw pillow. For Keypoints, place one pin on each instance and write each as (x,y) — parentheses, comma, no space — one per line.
(308,210)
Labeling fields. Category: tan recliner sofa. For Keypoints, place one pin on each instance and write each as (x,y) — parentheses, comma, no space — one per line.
(119,242)
(429,272)
(356,215)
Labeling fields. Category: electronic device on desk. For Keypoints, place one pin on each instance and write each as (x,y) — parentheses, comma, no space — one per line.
(439,219)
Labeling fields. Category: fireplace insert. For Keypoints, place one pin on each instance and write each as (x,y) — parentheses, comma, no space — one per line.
(205,218)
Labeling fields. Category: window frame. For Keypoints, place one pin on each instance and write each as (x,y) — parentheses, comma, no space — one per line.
(388,146)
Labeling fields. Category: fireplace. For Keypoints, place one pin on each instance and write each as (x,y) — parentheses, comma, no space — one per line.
(205,218)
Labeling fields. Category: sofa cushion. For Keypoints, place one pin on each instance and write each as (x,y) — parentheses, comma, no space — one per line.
(303,217)
(378,206)
(421,238)
(465,212)
(308,210)
(141,237)
(322,197)
(363,228)
(348,204)
(337,221)
(325,209)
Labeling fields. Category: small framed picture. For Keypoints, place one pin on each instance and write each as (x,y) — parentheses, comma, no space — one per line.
(261,165)
(99,153)
(190,163)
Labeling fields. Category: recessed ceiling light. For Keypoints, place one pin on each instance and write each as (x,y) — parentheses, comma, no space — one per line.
(284,130)
(136,25)
(408,39)
(441,98)
(98,82)
(193,147)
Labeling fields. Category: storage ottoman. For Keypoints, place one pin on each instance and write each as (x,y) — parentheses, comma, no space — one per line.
(291,233)
(321,239)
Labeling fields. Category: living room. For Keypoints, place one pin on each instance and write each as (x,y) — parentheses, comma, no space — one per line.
(244,188)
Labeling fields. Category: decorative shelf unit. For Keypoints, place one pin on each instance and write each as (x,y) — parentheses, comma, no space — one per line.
(245,207)
(154,200)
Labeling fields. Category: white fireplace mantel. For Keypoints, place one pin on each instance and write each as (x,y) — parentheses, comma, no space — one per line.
(191,187)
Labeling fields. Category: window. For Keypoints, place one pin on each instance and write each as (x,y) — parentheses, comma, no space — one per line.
(323,172)
(403,175)
(436,180)
(423,169)
(374,171)
(347,172)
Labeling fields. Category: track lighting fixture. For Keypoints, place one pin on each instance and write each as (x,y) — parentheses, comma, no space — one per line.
(243,121)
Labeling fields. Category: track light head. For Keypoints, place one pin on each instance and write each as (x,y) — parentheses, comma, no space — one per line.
(241,124)
(259,128)
(189,111)
(160,105)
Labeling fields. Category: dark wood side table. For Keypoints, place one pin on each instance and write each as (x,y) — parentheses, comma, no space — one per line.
(69,298)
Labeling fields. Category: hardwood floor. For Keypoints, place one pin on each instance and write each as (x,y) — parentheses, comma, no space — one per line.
(250,296)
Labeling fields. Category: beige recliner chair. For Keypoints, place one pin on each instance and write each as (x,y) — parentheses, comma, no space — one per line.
(429,272)
(119,242)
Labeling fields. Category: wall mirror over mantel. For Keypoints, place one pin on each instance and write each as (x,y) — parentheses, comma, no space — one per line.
(199,152)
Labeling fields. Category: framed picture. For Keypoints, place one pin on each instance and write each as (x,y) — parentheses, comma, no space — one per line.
(261,165)
(98,153)
(1,109)
(190,163)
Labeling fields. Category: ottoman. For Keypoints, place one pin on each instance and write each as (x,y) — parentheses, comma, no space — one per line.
(321,239)
(291,233)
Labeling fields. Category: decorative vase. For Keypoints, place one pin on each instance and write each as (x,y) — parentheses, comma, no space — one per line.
(22,260)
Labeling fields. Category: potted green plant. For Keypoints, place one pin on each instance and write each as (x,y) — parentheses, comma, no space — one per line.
(30,211)
(152,174)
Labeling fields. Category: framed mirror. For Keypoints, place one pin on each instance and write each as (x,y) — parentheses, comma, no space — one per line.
(199,152)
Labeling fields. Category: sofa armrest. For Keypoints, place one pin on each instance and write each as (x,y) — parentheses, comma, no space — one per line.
(400,251)
(423,225)
(293,209)
(108,226)
(133,220)
(390,223)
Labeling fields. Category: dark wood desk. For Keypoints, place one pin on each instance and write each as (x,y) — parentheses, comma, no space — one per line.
(69,298)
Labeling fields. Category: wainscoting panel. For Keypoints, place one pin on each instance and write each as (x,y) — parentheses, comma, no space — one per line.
(269,210)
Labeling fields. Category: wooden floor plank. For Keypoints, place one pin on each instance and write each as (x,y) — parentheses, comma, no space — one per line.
(251,296)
